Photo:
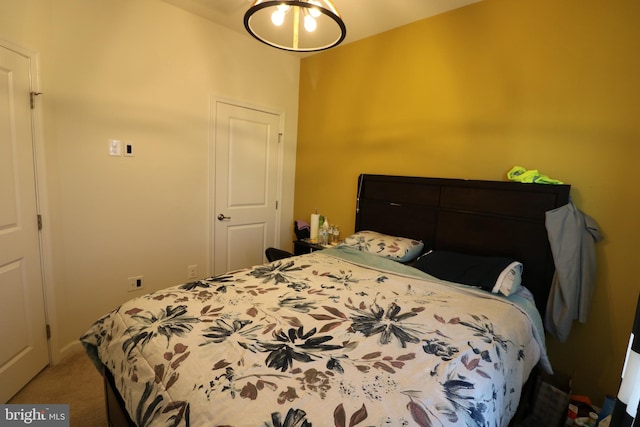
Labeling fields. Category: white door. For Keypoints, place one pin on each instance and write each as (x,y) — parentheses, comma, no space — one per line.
(245,186)
(23,348)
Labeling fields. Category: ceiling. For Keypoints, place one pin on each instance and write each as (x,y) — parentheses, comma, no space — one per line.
(363,18)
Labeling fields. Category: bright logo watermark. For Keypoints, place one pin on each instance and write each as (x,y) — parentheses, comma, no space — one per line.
(34,415)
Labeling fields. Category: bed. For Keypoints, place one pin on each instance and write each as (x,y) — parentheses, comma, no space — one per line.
(344,336)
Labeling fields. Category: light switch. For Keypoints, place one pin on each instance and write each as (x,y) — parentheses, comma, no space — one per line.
(115,147)
(128,149)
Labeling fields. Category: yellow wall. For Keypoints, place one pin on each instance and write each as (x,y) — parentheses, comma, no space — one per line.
(544,84)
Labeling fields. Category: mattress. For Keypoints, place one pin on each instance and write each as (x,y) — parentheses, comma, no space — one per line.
(335,337)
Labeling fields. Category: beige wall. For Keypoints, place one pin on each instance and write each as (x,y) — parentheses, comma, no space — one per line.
(142,71)
(468,94)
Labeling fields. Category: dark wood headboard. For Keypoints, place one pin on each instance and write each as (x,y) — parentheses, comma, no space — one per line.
(493,218)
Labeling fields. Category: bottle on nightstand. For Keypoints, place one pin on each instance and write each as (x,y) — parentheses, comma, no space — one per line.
(323,233)
(336,235)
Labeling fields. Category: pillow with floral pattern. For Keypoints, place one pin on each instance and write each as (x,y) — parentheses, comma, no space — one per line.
(396,248)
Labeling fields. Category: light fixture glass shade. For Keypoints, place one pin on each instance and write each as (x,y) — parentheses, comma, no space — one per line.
(302,25)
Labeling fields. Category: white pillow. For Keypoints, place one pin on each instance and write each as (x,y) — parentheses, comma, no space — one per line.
(397,248)
(509,280)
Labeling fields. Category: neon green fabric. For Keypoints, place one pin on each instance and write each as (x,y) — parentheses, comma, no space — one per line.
(520,174)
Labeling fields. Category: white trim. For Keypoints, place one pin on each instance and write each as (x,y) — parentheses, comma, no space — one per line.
(280,178)
(211,146)
(72,348)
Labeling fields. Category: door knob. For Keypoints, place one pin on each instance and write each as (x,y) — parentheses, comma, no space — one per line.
(221,217)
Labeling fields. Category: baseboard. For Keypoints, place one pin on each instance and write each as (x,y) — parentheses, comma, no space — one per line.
(71,349)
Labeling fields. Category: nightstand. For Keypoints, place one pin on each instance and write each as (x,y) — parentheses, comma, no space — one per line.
(301,247)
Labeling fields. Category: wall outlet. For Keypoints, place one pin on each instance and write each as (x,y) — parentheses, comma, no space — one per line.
(134,283)
(192,271)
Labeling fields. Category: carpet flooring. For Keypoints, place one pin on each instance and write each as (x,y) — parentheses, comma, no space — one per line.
(74,381)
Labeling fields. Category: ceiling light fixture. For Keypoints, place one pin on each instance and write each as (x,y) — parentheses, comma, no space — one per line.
(295,25)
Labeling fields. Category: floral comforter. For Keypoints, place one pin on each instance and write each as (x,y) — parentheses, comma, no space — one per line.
(322,340)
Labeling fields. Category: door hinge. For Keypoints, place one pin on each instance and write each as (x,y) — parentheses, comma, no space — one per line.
(32,96)
(276,205)
(280,137)
(39,222)
(48,331)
